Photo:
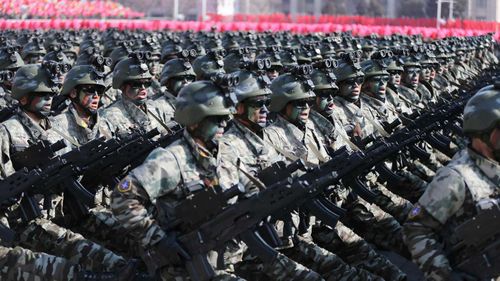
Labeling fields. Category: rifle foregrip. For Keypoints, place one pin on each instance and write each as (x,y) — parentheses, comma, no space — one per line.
(258,246)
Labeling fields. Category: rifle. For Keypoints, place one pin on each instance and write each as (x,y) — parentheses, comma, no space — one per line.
(211,222)
(131,153)
(478,249)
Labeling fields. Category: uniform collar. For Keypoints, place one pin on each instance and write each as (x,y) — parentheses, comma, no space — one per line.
(490,168)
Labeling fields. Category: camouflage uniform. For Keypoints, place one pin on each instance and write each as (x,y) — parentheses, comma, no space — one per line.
(351,115)
(460,191)
(450,198)
(75,129)
(16,135)
(255,155)
(165,177)
(388,201)
(309,145)
(124,116)
(22,264)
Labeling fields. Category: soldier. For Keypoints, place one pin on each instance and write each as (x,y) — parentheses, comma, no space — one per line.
(176,74)
(191,163)
(81,123)
(294,133)
(245,136)
(10,62)
(34,87)
(465,188)
(33,52)
(342,240)
(351,111)
(395,70)
(134,110)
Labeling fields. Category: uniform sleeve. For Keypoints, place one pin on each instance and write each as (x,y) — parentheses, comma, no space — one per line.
(421,238)
(128,202)
(6,167)
(156,177)
(444,196)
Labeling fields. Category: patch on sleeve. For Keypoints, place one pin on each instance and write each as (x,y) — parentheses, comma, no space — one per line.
(124,186)
(415,212)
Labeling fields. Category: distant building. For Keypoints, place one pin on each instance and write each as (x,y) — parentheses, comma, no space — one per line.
(485,10)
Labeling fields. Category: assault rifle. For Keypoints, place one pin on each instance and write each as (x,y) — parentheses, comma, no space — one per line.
(131,153)
(478,249)
(211,222)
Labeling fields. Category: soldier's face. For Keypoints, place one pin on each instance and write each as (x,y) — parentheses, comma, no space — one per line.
(41,103)
(377,85)
(34,59)
(351,88)
(211,128)
(410,76)
(256,110)
(137,90)
(297,111)
(324,102)
(425,74)
(395,77)
(175,84)
(89,97)
(272,74)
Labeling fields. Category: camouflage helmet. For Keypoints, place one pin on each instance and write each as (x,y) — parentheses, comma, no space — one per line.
(130,69)
(169,50)
(251,85)
(32,78)
(176,68)
(374,68)
(274,58)
(324,80)
(118,55)
(288,87)
(395,65)
(209,64)
(348,70)
(57,56)
(10,59)
(288,58)
(199,100)
(33,48)
(482,111)
(82,75)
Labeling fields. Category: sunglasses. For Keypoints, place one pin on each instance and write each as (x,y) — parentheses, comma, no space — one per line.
(90,90)
(427,66)
(259,103)
(302,103)
(354,80)
(218,119)
(395,72)
(139,84)
(379,79)
(413,71)
(323,94)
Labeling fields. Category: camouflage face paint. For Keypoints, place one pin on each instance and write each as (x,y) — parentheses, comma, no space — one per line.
(212,128)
